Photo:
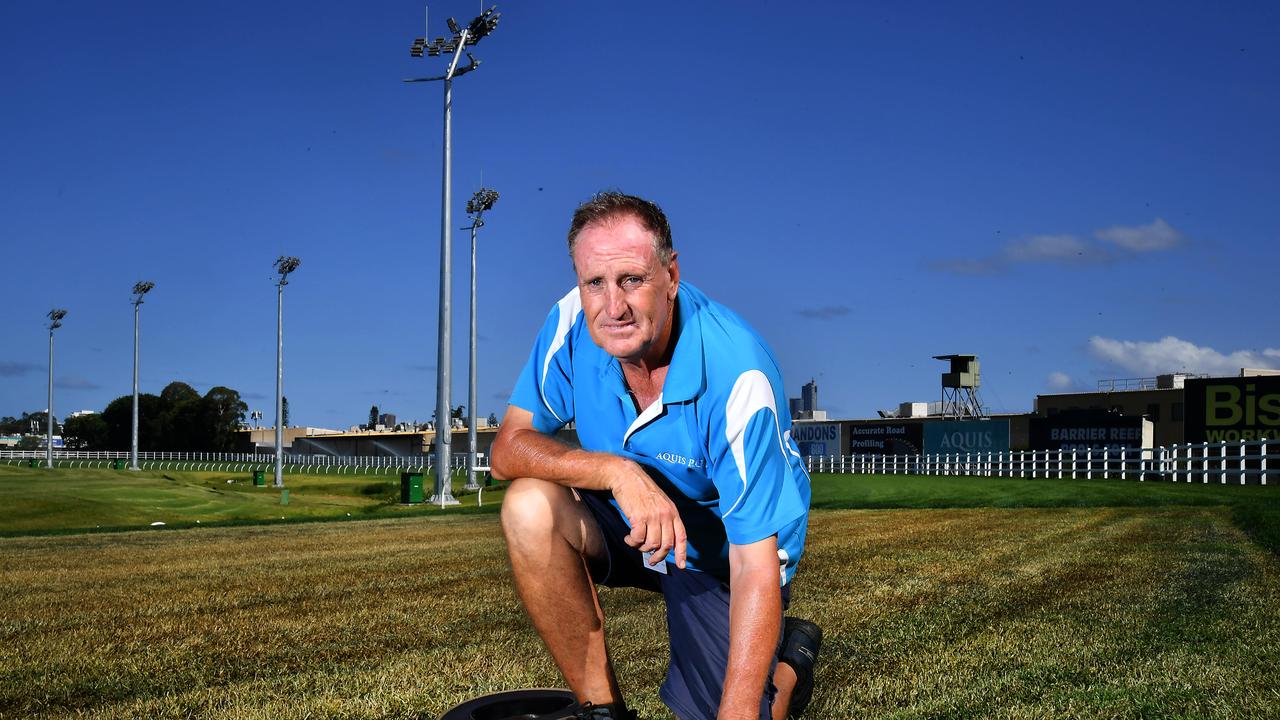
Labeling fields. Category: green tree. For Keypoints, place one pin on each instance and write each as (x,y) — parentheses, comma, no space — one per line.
(284,411)
(85,432)
(178,426)
(23,425)
(223,412)
(118,417)
(36,422)
(373,418)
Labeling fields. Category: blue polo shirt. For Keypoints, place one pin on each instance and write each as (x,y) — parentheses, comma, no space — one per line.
(722,450)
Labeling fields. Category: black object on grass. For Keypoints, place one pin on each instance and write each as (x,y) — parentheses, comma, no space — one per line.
(535,704)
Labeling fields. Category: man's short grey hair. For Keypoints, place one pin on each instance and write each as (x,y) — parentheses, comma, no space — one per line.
(611,204)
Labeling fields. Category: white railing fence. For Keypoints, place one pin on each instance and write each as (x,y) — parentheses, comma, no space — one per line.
(1253,462)
(197,461)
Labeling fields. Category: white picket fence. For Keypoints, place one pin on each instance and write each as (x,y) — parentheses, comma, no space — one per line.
(1226,462)
(305,464)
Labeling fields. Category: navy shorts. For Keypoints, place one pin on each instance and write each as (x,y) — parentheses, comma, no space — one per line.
(697,617)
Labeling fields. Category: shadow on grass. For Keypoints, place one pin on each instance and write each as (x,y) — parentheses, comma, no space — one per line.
(1260,523)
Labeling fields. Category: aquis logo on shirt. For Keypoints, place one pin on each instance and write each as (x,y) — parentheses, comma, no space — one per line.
(681,460)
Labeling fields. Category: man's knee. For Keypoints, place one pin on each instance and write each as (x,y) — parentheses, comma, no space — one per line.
(537,512)
(530,509)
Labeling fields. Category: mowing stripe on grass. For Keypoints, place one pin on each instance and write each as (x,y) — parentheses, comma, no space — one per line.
(1007,613)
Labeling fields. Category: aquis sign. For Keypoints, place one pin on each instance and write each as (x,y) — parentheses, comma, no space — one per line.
(952,437)
(1232,409)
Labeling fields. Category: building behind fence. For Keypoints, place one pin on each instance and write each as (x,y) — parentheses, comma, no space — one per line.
(1245,462)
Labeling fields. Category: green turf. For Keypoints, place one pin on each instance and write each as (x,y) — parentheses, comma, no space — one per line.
(1018,613)
(940,598)
(1255,508)
(912,491)
(60,500)
(72,499)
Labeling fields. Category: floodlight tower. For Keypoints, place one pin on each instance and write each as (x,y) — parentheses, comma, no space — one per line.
(481,201)
(462,38)
(284,265)
(139,289)
(55,322)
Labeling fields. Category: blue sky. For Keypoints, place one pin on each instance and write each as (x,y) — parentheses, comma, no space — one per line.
(1073,191)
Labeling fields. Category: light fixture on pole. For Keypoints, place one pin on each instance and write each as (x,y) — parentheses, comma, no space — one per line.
(463,37)
(476,206)
(55,322)
(283,265)
(139,289)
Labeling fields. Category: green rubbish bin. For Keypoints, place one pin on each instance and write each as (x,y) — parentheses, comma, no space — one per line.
(118,464)
(411,487)
(259,478)
(33,462)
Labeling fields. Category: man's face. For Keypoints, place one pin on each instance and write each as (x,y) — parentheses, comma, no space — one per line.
(627,294)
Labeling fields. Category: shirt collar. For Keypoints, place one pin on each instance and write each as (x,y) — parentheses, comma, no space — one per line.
(686,375)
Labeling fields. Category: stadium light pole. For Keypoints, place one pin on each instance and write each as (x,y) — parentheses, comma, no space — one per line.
(480,202)
(283,265)
(55,322)
(139,289)
(462,38)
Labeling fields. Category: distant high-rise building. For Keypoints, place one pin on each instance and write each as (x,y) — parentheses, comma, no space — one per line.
(387,420)
(809,396)
(805,407)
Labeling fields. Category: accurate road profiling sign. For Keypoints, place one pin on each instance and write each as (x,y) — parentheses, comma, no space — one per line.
(1085,429)
(950,437)
(1232,409)
(884,438)
(816,439)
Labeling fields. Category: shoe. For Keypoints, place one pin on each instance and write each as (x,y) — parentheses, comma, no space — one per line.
(800,644)
(612,711)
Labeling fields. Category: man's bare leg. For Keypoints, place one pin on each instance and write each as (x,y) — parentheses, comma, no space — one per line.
(550,536)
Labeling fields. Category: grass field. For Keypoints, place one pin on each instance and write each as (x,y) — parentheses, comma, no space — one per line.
(1129,601)
(78,499)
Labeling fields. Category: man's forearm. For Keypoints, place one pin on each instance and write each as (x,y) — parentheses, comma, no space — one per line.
(529,453)
(755,617)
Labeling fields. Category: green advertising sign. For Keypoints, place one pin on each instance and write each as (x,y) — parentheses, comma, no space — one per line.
(951,437)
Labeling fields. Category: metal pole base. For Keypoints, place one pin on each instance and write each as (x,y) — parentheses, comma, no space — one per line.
(448,499)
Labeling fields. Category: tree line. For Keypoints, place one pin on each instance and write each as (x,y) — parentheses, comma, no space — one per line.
(179,419)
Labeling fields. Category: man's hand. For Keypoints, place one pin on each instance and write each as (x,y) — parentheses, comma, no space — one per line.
(521,451)
(655,522)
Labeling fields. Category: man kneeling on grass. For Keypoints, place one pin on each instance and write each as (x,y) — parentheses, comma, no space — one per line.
(687,483)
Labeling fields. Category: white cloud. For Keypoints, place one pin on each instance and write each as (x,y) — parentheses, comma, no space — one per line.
(1159,235)
(1060,381)
(968,266)
(1171,354)
(1051,248)
(1107,245)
